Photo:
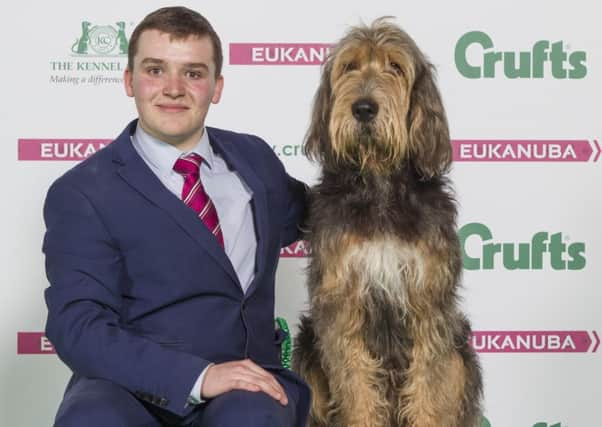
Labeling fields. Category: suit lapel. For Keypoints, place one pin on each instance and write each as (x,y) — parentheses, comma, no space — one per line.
(139,176)
(243,166)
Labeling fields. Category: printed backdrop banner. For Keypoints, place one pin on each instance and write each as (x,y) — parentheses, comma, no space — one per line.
(521,82)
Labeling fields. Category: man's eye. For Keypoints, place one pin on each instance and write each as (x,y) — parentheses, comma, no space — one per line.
(195,74)
(153,71)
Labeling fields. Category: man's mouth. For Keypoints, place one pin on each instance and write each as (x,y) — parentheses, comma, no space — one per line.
(172,108)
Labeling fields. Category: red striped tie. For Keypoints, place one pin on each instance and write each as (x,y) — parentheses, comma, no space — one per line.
(194,195)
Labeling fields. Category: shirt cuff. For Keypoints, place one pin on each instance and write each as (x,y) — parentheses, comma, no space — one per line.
(195,394)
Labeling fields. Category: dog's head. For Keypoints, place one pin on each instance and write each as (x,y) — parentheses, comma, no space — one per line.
(377,108)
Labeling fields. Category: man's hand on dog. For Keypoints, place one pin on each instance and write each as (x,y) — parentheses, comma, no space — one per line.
(241,375)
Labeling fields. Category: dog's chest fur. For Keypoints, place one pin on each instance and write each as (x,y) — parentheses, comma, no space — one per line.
(373,239)
(380,226)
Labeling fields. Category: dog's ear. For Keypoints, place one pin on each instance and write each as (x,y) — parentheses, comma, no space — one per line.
(429,144)
(317,139)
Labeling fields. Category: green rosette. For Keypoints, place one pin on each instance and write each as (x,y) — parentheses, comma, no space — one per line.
(286,345)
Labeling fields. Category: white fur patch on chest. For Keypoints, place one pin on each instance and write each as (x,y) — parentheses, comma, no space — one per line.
(385,263)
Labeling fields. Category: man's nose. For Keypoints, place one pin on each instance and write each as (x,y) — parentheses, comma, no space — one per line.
(174,86)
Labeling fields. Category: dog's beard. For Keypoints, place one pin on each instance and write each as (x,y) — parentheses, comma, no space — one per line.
(364,146)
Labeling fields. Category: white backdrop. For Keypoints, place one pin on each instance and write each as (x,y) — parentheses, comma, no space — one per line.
(536,321)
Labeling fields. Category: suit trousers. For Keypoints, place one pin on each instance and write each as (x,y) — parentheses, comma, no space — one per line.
(101,403)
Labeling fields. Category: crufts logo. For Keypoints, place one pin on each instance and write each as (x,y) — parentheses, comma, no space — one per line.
(528,64)
(520,256)
(104,40)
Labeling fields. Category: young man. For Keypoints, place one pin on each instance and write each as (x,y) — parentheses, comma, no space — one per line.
(161,252)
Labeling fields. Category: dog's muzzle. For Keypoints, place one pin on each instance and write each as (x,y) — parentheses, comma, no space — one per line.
(364,110)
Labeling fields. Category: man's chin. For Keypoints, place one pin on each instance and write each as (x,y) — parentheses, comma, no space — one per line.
(172,132)
(180,140)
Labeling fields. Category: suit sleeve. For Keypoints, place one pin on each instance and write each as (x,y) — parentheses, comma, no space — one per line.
(86,272)
(296,211)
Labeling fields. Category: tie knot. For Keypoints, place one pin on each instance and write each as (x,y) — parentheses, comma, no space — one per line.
(188,165)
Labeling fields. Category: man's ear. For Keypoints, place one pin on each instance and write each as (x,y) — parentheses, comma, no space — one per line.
(217,92)
(127,82)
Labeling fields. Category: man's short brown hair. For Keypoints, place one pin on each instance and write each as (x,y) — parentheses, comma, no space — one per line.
(179,22)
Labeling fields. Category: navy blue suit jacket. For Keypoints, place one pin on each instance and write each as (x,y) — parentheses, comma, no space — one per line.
(141,293)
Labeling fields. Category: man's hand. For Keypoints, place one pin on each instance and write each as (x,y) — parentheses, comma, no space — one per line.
(241,375)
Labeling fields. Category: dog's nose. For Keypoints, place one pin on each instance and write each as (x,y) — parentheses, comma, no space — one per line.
(364,110)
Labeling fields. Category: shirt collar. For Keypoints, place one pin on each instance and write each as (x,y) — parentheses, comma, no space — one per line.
(162,156)
(204,149)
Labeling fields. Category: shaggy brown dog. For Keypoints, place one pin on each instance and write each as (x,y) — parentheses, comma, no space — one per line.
(384,343)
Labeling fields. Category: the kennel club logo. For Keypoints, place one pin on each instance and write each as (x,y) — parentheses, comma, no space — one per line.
(59,149)
(525,150)
(535,341)
(96,55)
(278,53)
(544,250)
(104,40)
(477,56)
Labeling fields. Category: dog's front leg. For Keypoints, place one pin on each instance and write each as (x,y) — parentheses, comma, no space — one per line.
(307,362)
(355,380)
(433,395)
(355,376)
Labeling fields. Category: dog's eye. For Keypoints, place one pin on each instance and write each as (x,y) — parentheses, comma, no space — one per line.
(396,67)
(349,66)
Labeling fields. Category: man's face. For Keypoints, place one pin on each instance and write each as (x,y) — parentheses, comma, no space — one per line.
(173,84)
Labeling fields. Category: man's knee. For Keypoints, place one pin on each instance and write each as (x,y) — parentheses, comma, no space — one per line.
(97,403)
(242,408)
(85,410)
